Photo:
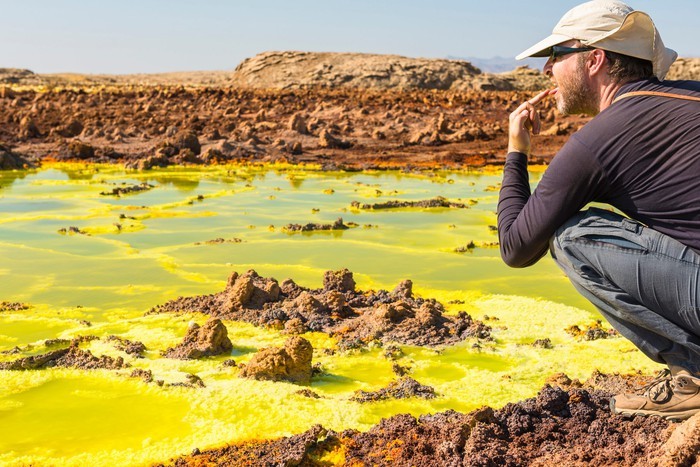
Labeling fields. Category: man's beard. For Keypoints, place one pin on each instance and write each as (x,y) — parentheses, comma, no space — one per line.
(575,95)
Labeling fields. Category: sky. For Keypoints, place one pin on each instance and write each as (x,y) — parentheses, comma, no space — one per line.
(153,36)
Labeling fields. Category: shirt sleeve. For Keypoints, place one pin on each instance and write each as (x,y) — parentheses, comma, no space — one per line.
(526,222)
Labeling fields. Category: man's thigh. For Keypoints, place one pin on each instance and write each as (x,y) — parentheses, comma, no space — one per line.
(655,270)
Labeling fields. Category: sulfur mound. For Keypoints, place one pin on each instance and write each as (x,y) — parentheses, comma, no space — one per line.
(289,363)
(202,341)
(355,318)
(71,357)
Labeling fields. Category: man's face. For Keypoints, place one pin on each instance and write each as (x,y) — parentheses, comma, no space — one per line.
(575,94)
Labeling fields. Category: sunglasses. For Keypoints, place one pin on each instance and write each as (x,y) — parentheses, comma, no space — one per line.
(559,51)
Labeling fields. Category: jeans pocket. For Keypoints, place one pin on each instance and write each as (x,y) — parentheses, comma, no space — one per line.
(616,243)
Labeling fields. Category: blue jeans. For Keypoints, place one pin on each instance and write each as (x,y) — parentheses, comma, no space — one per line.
(646,284)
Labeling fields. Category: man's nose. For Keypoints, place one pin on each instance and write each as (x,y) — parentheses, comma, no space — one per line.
(547,70)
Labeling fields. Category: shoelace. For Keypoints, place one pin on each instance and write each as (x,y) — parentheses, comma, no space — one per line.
(663,387)
(660,390)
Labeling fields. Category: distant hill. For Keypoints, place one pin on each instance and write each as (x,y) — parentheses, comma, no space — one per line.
(305,70)
(294,70)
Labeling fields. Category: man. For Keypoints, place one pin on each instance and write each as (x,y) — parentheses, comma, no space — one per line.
(640,154)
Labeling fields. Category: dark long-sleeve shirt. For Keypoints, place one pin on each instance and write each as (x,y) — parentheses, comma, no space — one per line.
(640,155)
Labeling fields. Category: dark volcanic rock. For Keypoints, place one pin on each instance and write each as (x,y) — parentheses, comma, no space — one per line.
(404,388)
(438,202)
(13,306)
(187,140)
(207,340)
(289,363)
(310,227)
(11,161)
(558,427)
(134,348)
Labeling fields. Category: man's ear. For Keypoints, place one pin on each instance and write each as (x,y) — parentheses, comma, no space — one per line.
(595,62)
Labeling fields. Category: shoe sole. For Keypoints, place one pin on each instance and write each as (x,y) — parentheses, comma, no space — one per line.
(670,416)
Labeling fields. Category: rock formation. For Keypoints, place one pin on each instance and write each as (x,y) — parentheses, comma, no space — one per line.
(70,357)
(289,363)
(202,341)
(355,318)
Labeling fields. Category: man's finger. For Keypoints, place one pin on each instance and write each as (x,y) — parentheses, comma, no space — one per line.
(538,98)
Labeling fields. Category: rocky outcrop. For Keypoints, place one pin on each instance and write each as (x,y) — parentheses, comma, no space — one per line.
(71,357)
(202,341)
(20,76)
(402,389)
(355,318)
(289,363)
(285,70)
(12,161)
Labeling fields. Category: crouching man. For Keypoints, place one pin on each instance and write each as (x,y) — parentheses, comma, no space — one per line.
(641,155)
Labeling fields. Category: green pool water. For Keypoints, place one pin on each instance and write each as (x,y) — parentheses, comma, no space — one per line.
(145,248)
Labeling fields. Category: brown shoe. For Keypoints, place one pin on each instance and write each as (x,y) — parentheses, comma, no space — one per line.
(673,397)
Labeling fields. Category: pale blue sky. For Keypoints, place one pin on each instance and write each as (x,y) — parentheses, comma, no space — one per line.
(130,36)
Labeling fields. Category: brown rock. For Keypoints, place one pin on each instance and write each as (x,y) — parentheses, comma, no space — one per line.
(249,291)
(28,129)
(295,326)
(72,129)
(404,290)
(441,124)
(187,140)
(296,148)
(683,446)
(11,161)
(334,300)
(298,123)
(403,388)
(71,357)
(341,281)
(207,340)
(291,363)
(557,129)
(327,140)
(80,150)
(307,302)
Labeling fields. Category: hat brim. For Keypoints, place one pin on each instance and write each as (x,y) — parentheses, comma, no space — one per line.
(541,49)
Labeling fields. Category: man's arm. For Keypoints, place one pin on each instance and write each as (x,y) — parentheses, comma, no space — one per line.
(527,222)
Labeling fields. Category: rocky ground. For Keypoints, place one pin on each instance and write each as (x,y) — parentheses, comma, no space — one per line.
(569,423)
(353,129)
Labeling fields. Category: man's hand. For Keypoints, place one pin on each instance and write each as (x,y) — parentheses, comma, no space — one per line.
(523,120)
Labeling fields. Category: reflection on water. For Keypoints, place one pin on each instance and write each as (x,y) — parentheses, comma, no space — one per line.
(129,253)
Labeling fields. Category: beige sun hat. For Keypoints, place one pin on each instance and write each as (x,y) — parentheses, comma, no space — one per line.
(609,25)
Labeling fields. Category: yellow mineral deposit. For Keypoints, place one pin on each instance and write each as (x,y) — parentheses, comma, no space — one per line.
(81,275)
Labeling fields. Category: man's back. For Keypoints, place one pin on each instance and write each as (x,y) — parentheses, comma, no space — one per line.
(648,149)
